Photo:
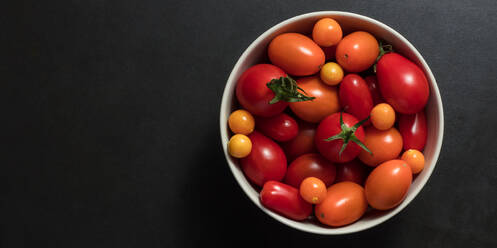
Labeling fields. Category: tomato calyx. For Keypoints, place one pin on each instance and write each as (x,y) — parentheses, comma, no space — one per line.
(347,135)
(286,89)
(384,49)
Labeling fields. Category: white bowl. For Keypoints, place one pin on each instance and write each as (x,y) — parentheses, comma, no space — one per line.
(256,53)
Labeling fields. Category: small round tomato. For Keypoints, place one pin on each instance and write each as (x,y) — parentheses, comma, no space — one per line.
(241,122)
(313,190)
(331,73)
(355,97)
(384,145)
(357,51)
(310,165)
(383,116)
(324,104)
(280,127)
(387,185)
(415,159)
(296,54)
(372,83)
(327,32)
(345,203)
(303,143)
(353,171)
(239,146)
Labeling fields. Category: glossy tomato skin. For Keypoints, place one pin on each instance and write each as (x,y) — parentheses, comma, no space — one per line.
(285,200)
(355,96)
(374,89)
(353,171)
(325,102)
(413,130)
(345,203)
(253,94)
(384,144)
(402,83)
(281,127)
(357,51)
(387,185)
(310,165)
(296,54)
(303,143)
(330,126)
(265,162)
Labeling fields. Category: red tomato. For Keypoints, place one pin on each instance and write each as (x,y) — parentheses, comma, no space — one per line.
(344,204)
(402,83)
(384,145)
(303,143)
(374,89)
(265,162)
(357,51)
(387,185)
(310,165)
(280,127)
(285,200)
(413,130)
(329,127)
(353,171)
(253,94)
(296,53)
(355,96)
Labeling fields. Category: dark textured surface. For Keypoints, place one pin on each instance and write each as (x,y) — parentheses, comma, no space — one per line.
(110,124)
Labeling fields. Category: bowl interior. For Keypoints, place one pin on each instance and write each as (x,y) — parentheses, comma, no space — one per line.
(256,53)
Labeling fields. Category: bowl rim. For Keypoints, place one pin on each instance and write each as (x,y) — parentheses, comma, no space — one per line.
(247,188)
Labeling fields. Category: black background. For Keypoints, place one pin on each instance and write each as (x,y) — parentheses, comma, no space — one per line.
(110,131)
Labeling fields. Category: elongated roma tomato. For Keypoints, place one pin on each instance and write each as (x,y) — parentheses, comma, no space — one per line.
(285,200)
(413,130)
(372,83)
(355,96)
(265,162)
(387,185)
(281,127)
(296,54)
(253,94)
(402,83)
(345,203)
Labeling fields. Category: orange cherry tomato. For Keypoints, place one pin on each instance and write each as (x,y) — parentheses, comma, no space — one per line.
(345,203)
(313,190)
(241,122)
(387,185)
(385,145)
(357,51)
(296,54)
(331,73)
(327,32)
(415,159)
(324,104)
(383,116)
(239,146)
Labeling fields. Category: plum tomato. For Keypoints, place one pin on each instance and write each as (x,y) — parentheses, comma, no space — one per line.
(357,51)
(303,143)
(384,145)
(331,73)
(382,116)
(355,97)
(310,165)
(327,32)
(285,200)
(280,127)
(372,83)
(345,203)
(353,171)
(265,162)
(387,185)
(241,122)
(415,159)
(413,130)
(313,190)
(239,146)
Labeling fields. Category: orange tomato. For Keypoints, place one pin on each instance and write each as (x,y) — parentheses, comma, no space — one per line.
(327,32)
(313,190)
(296,54)
(239,146)
(345,203)
(415,159)
(324,104)
(387,185)
(383,116)
(357,51)
(331,73)
(241,122)
(385,145)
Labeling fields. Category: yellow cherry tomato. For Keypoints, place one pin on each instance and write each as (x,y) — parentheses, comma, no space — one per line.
(239,146)
(313,190)
(331,73)
(415,159)
(241,122)
(383,116)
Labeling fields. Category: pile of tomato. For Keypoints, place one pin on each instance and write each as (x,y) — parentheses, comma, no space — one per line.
(332,125)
